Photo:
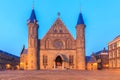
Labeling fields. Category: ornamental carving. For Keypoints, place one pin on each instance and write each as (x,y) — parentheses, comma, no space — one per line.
(58,44)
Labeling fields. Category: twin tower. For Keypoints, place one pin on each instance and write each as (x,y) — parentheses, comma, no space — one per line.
(57,50)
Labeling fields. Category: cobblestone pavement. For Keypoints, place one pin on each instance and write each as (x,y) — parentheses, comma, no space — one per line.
(60,75)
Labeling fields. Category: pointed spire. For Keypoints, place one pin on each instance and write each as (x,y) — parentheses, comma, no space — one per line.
(80,18)
(32,18)
(22,49)
(58,14)
(23,46)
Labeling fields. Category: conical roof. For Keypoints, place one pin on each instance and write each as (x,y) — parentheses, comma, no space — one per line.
(80,19)
(32,18)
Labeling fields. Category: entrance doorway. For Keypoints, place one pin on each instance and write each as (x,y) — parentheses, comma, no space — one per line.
(58,62)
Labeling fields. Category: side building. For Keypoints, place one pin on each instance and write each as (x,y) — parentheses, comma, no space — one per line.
(98,60)
(8,61)
(114,53)
(91,63)
(102,58)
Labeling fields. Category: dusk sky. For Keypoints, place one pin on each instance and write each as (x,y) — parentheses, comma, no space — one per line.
(102,19)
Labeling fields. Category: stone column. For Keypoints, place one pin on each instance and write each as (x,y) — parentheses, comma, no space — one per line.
(63,65)
(54,65)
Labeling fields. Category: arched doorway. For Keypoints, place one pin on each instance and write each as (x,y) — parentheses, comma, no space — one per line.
(58,62)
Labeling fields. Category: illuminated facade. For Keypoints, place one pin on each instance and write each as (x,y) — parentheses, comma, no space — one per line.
(91,63)
(98,60)
(57,49)
(8,61)
(114,53)
(102,58)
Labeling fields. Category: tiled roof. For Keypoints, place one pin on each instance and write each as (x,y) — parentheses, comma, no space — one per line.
(102,51)
(6,53)
(89,59)
(24,51)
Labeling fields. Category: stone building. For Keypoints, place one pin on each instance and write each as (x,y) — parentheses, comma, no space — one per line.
(8,61)
(114,53)
(91,63)
(57,49)
(102,58)
(98,60)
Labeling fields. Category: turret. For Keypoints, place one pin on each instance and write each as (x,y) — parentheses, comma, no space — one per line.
(32,42)
(80,43)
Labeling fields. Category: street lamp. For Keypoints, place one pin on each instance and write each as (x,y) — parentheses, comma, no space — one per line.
(8,66)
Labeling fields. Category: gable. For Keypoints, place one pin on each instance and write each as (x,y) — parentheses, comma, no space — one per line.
(58,28)
(58,37)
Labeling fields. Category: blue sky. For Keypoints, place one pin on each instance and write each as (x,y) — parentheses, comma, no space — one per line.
(102,19)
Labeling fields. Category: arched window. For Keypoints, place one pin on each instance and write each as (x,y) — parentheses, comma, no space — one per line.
(45,60)
(34,31)
(69,44)
(47,44)
(71,60)
(31,30)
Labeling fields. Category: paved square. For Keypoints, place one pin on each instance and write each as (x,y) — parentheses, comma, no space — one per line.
(60,75)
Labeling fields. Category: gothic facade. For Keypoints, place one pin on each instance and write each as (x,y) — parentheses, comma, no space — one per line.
(57,49)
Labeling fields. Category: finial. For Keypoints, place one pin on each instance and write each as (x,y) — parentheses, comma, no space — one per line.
(80,9)
(33,5)
(24,46)
(58,14)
